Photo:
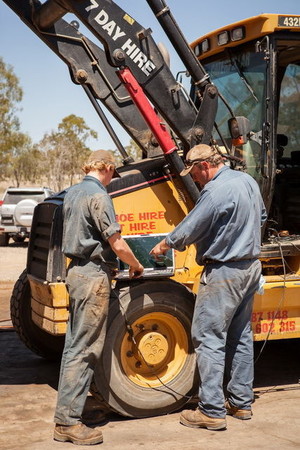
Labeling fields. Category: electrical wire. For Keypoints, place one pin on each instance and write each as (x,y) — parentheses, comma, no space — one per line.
(280,301)
(131,333)
(132,338)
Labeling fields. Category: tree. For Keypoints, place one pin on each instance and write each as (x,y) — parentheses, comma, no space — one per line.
(10,136)
(132,150)
(75,132)
(25,162)
(66,151)
(30,165)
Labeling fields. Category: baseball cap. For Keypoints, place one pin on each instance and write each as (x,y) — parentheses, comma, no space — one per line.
(106,157)
(197,154)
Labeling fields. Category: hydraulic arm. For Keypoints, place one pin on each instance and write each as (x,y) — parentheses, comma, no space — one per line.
(127,45)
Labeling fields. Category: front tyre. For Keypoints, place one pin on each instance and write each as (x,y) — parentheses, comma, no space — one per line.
(148,363)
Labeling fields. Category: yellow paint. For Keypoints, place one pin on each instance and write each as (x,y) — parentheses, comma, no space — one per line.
(54,314)
(49,294)
(160,350)
(50,302)
(255,28)
(55,328)
(278,310)
(128,19)
(135,210)
(160,208)
(49,305)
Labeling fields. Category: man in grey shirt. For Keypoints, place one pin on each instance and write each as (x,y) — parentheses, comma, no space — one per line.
(225,225)
(92,240)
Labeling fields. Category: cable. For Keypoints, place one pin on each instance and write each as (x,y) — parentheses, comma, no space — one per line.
(132,338)
(280,301)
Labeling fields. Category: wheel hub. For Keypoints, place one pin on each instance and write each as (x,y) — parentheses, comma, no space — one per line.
(153,347)
(156,350)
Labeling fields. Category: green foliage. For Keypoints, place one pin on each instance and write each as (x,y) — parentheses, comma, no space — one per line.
(65,151)
(59,156)
(132,150)
(11,139)
(10,94)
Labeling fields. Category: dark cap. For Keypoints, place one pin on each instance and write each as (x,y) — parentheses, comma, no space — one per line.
(197,154)
(103,156)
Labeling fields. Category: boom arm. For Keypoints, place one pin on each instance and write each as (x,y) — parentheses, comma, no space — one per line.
(88,66)
(127,45)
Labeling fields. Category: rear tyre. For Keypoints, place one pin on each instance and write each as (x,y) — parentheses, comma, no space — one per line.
(18,239)
(4,240)
(37,340)
(148,368)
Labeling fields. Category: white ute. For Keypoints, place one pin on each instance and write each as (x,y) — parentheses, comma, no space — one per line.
(16,212)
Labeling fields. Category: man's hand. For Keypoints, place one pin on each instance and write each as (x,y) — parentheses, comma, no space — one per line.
(136,271)
(123,251)
(160,249)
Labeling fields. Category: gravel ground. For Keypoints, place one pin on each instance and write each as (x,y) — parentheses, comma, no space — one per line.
(28,387)
(12,261)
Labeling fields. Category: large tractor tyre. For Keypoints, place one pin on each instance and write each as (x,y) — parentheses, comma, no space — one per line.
(148,363)
(18,239)
(37,340)
(4,240)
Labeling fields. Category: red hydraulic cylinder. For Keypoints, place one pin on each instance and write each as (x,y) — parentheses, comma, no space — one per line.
(157,127)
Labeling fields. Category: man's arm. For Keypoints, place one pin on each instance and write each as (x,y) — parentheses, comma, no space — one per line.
(160,249)
(123,251)
(195,226)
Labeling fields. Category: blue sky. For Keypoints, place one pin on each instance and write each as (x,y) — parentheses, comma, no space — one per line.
(49,94)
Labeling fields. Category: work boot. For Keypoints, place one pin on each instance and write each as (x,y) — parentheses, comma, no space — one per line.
(78,434)
(237,413)
(197,419)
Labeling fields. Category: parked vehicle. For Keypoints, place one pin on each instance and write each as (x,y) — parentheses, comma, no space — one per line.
(16,212)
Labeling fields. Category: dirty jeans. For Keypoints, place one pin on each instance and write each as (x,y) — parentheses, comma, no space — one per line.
(222,334)
(89,289)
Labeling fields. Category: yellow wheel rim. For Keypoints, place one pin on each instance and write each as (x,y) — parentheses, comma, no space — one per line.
(157,351)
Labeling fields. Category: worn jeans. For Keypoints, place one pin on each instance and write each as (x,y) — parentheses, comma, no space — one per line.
(222,334)
(89,289)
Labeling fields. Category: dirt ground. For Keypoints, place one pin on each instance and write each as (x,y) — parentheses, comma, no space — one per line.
(28,386)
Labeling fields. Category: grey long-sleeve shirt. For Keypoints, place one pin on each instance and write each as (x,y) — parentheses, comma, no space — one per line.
(225,223)
(89,220)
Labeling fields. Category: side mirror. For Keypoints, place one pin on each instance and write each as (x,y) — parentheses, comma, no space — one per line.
(239,128)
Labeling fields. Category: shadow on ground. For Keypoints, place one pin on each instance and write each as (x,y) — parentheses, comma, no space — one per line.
(278,365)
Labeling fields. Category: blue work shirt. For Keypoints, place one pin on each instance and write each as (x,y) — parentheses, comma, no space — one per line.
(225,223)
(89,221)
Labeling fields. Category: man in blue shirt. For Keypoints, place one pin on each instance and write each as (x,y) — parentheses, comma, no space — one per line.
(225,225)
(92,240)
